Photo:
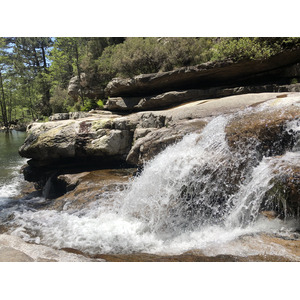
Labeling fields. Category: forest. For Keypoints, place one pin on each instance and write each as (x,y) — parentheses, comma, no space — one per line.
(35,71)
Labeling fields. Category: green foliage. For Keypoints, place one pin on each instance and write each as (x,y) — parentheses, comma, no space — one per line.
(89,105)
(241,48)
(92,104)
(60,101)
(251,47)
(294,81)
(61,58)
(148,55)
(100,104)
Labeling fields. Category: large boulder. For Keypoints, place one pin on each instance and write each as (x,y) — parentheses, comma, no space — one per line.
(278,68)
(105,136)
(75,138)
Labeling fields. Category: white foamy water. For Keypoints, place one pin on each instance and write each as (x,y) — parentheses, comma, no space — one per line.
(10,187)
(10,164)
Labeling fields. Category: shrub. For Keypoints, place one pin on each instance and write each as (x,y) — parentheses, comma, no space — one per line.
(148,55)
(251,47)
(100,104)
(294,81)
(60,101)
(92,104)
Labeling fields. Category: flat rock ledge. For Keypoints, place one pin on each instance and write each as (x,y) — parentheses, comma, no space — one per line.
(14,249)
(173,98)
(278,68)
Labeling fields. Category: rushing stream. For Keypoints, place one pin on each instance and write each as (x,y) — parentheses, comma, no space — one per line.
(10,163)
(184,199)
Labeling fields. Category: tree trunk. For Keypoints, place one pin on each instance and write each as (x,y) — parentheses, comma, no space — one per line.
(3,104)
(78,71)
(44,59)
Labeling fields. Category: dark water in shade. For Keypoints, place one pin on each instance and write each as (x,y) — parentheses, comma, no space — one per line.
(10,162)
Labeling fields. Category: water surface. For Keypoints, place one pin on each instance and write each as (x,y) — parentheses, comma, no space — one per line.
(10,162)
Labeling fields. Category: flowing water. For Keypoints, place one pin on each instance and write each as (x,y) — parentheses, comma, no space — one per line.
(10,163)
(189,197)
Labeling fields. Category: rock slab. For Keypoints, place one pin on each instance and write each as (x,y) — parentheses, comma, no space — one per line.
(210,74)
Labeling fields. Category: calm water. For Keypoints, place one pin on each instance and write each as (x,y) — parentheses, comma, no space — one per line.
(10,162)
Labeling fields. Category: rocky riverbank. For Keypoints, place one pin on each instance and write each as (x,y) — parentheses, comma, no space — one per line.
(103,140)
(77,157)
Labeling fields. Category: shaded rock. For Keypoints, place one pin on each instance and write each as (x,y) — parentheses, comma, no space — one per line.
(150,120)
(59,117)
(190,257)
(176,97)
(89,85)
(90,186)
(284,195)
(207,75)
(153,102)
(71,180)
(270,214)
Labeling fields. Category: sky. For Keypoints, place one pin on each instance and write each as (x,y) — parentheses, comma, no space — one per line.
(152,18)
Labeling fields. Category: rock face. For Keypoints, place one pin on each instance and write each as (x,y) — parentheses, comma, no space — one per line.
(176,97)
(67,116)
(76,138)
(149,143)
(89,86)
(278,68)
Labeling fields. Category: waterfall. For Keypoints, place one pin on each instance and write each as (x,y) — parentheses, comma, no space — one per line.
(195,194)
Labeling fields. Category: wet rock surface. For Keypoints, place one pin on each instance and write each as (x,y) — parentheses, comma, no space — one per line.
(284,195)
(266,134)
(90,186)
(265,130)
(14,249)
